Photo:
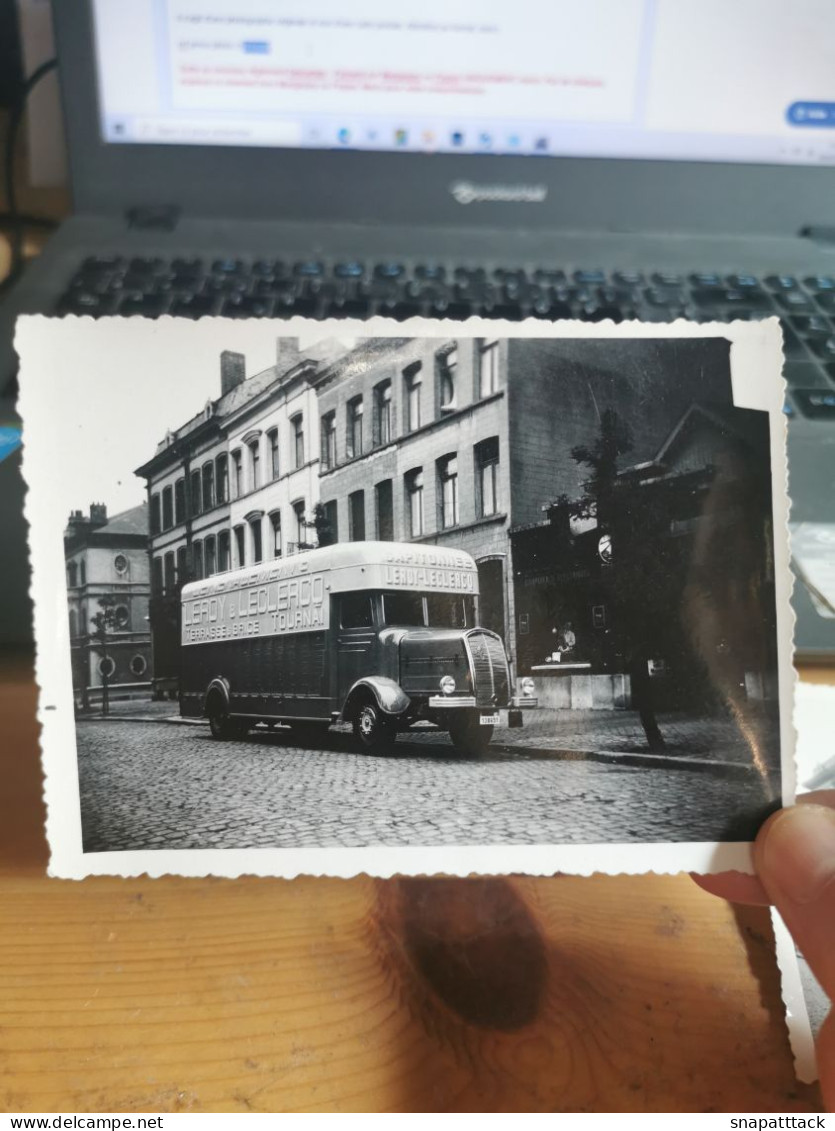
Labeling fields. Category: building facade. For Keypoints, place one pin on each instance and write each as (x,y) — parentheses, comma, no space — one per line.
(414,441)
(235,485)
(108,578)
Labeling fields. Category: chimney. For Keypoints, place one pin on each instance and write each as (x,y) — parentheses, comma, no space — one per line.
(232,371)
(287,355)
(98,515)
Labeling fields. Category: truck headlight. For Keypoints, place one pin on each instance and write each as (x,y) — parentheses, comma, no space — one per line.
(447,684)
(528,686)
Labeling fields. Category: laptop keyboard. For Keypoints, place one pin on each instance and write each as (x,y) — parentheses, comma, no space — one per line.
(268,288)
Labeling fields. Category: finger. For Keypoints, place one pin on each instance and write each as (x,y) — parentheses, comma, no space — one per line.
(735,886)
(794,855)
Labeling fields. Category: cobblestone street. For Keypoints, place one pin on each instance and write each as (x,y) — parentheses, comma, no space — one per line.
(148,783)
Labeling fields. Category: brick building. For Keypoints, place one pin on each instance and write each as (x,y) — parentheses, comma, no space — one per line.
(107,566)
(414,437)
(235,485)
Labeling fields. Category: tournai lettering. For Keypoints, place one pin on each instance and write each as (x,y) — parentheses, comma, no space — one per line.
(285,606)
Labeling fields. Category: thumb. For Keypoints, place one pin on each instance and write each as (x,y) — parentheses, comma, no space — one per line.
(794,855)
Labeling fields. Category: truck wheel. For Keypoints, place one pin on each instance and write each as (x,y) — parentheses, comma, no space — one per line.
(469,736)
(372,729)
(220,724)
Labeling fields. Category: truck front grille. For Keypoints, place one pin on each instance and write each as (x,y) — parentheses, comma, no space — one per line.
(491,678)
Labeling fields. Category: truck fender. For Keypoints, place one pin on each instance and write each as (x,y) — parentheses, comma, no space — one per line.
(390,696)
(218,686)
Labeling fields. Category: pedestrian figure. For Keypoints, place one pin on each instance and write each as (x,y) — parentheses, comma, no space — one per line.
(643,698)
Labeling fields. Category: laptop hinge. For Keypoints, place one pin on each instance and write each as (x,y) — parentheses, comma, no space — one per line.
(161,217)
(819,233)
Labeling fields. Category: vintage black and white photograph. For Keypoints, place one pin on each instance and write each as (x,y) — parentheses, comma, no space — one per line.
(389,587)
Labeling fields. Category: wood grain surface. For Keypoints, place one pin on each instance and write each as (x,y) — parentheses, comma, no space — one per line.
(514,994)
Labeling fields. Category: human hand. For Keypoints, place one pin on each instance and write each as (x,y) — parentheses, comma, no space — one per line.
(794,855)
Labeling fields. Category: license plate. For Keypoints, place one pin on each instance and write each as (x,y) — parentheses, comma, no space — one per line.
(490,720)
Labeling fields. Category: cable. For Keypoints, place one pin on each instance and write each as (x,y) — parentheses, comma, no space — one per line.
(16,220)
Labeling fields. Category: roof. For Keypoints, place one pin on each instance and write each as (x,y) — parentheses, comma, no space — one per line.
(133,521)
(374,565)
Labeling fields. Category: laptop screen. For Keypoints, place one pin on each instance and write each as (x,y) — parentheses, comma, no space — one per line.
(703,80)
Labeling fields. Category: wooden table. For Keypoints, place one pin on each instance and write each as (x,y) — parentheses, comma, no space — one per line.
(561,994)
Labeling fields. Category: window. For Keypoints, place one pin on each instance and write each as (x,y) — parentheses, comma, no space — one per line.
(82,568)
(210,556)
(222,478)
(73,623)
(138,665)
(356,516)
(414,501)
(197,560)
(121,617)
(488,369)
(447,363)
(298,439)
(301,528)
(353,437)
(254,464)
(170,573)
(72,575)
(167,508)
(156,523)
(331,521)
(224,551)
(412,385)
(237,473)
(487,477)
(208,485)
(403,608)
(382,413)
(328,456)
(182,565)
(196,494)
(120,564)
(107,667)
(179,501)
(272,440)
(384,508)
(240,545)
(257,542)
(275,522)
(156,576)
(448,491)
(356,610)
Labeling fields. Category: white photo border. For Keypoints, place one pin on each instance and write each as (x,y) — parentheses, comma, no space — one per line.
(757,383)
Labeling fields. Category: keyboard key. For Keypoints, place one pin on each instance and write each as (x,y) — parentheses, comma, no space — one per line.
(228,267)
(590,277)
(430,271)
(352,270)
(269,269)
(823,347)
(456,310)
(192,306)
(86,302)
(667,279)
(794,301)
(706,279)
(510,277)
(389,270)
(820,283)
(744,282)
(816,404)
(186,266)
(247,306)
(792,345)
(309,269)
(629,278)
(826,301)
(592,313)
(812,326)
(402,310)
(146,265)
(149,306)
(549,277)
(511,311)
(350,308)
(663,296)
(781,282)
(97,263)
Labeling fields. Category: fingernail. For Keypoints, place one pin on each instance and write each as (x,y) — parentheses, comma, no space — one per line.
(798,855)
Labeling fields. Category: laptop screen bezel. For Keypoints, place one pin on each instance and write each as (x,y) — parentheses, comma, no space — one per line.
(570,193)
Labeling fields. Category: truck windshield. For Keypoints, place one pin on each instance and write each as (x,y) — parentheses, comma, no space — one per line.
(435,610)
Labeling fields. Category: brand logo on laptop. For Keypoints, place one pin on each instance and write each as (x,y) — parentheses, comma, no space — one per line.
(465,192)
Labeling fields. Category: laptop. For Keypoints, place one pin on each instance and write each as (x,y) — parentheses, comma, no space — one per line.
(614,159)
